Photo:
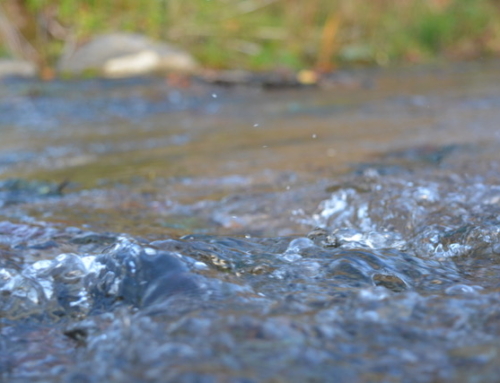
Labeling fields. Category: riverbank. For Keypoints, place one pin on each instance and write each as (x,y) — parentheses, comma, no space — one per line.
(269,34)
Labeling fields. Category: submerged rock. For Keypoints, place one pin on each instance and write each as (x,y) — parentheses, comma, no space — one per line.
(125,55)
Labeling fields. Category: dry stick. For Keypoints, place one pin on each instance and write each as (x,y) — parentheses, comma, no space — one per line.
(16,43)
(327,45)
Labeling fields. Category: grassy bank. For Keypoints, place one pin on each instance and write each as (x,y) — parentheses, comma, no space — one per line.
(268,34)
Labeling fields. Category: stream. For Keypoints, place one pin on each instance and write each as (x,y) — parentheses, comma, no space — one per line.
(154,233)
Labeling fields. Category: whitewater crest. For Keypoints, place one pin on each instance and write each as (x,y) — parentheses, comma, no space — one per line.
(429,217)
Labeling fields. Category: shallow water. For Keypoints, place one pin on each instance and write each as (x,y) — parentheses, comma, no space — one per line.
(150,233)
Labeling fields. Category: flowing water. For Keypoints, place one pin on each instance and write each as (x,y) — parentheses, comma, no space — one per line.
(150,233)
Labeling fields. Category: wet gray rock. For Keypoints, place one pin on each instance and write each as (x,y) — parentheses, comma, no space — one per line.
(17,68)
(125,55)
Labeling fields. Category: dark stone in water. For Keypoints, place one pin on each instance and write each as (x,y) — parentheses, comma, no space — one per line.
(143,278)
(411,159)
(16,190)
(87,238)
(78,334)
(44,245)
(390,282)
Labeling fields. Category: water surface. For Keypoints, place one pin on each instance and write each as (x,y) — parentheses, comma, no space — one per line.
(150,233)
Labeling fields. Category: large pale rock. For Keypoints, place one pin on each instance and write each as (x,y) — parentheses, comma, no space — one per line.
(126,54)
(17,68)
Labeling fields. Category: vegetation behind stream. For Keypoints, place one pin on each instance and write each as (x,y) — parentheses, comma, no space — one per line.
(269,34)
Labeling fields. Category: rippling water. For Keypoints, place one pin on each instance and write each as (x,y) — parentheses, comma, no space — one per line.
(349,234)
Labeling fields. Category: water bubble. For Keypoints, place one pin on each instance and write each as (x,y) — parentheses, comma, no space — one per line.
(214,95)
(291,257)
(377,293)
(368,315)
(299,244)
(460,289)
(310,269)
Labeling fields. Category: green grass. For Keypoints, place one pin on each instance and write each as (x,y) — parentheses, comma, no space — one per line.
(269,34)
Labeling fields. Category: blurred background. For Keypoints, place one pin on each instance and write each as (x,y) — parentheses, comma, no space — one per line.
(262,34)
